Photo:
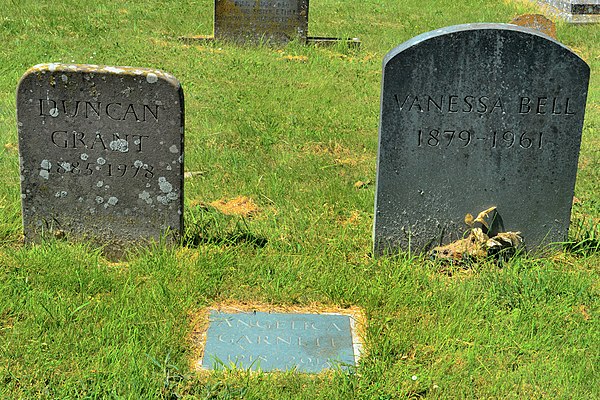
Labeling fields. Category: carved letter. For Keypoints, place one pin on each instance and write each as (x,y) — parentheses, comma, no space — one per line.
(555,110)
(63,142)
(452,106)
(541,103)
(497,104)
(108,111)
(130,110)
(483,104)
(415,101)
(567,108)
(51,107)
(89,105)
(469,103)
(98,139)
(436,105)
(154,114)
(279,339)
(524,103)
(78,137)
(397,101)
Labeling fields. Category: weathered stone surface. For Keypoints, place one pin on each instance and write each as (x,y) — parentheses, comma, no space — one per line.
(279,341)
(537,22)
(474,116)
(251,21)
(101,151)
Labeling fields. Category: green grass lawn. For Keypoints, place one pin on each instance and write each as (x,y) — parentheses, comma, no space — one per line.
(293,129)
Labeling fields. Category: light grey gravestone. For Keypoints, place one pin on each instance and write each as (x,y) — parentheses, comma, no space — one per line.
(475,116)
(254,20)
(101,153)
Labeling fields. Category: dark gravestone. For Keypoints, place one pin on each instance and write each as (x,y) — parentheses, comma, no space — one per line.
(474,116)
(269,20)
(279,341)
(101,151)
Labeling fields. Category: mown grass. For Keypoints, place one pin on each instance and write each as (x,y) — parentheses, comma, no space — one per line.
(294,129)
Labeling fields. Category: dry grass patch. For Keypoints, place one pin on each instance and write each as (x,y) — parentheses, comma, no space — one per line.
(242,206)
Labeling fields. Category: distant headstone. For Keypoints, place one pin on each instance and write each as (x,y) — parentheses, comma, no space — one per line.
(537,22)
(475,116)
(573,11)
(279,341)
(101,151)
(269,20)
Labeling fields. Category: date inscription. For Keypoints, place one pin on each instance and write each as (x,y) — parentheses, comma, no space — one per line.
(137,169)
(465,138)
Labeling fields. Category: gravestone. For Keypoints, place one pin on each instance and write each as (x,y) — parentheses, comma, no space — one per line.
(537,22)
(270,20)
(475,116)
(101,152)
(573,11)
(280,341)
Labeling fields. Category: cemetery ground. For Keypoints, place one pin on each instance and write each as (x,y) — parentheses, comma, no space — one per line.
(280,153)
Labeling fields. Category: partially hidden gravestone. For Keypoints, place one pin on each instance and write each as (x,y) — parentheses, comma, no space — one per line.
(101,152)
(280,341)
(475,116)
(266,20)
(573,11)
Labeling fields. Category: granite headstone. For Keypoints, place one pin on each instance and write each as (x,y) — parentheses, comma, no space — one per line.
(280,341)
(475,116)
(254,20)
(101,152)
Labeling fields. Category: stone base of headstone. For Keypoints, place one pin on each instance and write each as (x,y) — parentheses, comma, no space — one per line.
(331,41)
(319,41)
(573,11)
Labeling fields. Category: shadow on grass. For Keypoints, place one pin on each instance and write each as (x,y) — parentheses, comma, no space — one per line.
(205,225)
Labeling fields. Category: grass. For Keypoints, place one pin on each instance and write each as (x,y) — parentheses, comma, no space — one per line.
(293,129)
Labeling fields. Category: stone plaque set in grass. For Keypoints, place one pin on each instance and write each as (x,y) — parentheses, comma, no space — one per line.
(305,342)
(101,152)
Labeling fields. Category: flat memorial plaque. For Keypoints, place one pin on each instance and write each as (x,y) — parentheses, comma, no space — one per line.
(279,341)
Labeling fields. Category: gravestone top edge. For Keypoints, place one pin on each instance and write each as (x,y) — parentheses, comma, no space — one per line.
(470,27)
(152,75)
